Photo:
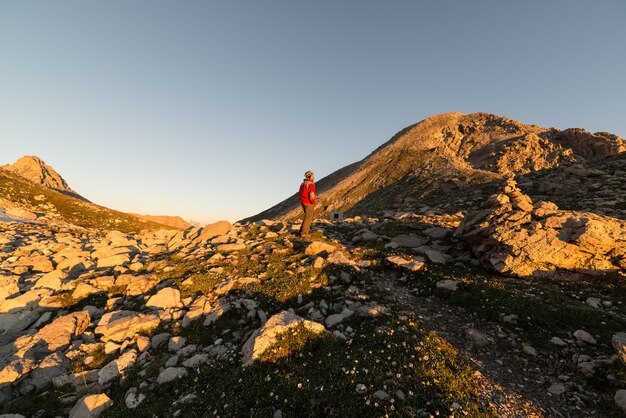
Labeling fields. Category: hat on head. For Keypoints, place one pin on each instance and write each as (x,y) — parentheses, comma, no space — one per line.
(308,174)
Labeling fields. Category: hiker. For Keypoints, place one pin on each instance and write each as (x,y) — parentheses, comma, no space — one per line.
(307,199)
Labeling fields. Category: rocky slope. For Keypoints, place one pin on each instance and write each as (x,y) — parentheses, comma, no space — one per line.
(373,316)
(447,156)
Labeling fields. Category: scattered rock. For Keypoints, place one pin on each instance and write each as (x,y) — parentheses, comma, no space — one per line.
(477,338)
(121,325)
(215,229)
(448,284)
(115,368)
(619,344)
(584,336)
(413,264)
(620,399)
(165,298)
(528,349)
(381,395)
(408,241)
(317,247)
(170,374)
(557,389)
(91,406)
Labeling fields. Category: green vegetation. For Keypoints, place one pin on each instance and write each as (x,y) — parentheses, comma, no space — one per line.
(310,375)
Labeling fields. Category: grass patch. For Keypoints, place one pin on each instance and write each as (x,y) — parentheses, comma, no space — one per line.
(44,405)
(318,376)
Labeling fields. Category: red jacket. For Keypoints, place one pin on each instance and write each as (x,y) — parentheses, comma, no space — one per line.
(307,193)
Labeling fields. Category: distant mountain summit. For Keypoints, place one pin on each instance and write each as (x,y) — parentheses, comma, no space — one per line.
(35,170)
(173,221)
(443,158)
(35,191)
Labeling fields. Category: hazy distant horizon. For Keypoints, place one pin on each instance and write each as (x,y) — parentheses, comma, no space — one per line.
(214,111)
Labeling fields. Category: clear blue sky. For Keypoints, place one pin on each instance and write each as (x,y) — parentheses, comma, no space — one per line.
(214,109)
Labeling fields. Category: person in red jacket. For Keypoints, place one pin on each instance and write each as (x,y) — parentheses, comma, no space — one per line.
(308,200)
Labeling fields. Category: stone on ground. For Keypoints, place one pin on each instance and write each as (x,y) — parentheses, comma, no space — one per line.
(264,337)
(170,374)
(91,406)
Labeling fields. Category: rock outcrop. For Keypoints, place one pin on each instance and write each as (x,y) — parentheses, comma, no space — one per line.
(517,237)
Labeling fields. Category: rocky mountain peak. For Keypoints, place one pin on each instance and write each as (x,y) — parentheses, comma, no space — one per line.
(34,169)
(449,151)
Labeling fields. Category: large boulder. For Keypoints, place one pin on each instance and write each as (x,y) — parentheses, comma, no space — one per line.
(55,336)
(121,325)
(515,237)
(215,229)
(317,247)
(42,349)
(116,367)
(266,336)
(8,286)
(165,298)
(619,344)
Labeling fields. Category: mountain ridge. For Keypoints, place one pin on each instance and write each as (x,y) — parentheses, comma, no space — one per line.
(449,147)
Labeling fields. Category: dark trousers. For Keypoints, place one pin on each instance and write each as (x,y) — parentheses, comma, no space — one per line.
(305,228)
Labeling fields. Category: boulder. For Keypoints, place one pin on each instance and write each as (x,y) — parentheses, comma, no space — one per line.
(54,365)
(113,261)
(215,229)
(619,344)
(340,259)
(137,285)
(264,337)
(411,264)
(30,299)
(170,374)
(448,284)
(54,336)
(8,286)
(408,241)
(16,369)
(91,406)
(165,298)
(83,290)
(620,399)
(121,325)
(200,306)
(477,337)
(228,248)
(217,309)
(196,361)
(584,336)
(317,247)
(14,322)
(116,367)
